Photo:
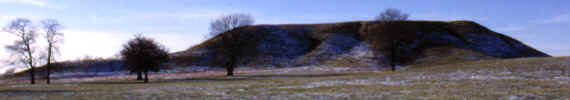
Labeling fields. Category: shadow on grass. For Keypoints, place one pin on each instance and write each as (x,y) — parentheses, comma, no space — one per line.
(36,91)
(126,82)
(255,77)
(296,75)
(223,78)
(201,79)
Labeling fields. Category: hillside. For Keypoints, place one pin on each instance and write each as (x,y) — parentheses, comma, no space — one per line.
(514,79)
(348,44)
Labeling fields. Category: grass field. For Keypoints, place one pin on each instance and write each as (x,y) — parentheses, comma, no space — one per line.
(526,78)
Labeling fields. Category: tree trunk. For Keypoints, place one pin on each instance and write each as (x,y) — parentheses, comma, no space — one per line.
(32,78)
(393,56)
(48,64)
(139,75)
(146,75)
(230,69)
(48,72)
(111,66)
(564,73)
(30,61)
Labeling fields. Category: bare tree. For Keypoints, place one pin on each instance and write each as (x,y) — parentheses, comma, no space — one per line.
(228,22)
(235,46)
(51,33)
(392,14)
(143,54)
(22,48)
(396,47)
(391,39)
(389,36)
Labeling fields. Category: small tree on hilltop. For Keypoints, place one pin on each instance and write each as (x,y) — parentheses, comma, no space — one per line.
(228,22)
(235,46)
(392,14)
(143,54)
(388,37)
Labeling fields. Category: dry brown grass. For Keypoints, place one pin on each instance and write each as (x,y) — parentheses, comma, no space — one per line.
(378,35)
(449,55)
(526,78)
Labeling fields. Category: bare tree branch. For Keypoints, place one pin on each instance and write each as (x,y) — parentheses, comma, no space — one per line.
(22,48)
(228,22)
(51,33)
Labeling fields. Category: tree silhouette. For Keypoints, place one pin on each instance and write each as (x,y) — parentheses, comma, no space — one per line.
(22,50)
(392,14)
(234,46)
(53,36)
(390,39)
(143,54)
(228,22)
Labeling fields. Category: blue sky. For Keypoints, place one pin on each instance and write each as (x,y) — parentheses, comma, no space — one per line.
(104,25)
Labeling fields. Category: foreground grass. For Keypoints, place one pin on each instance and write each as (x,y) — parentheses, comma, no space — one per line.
(528,78)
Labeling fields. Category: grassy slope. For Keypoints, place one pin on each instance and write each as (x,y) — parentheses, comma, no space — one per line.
(362,31)
(525,78)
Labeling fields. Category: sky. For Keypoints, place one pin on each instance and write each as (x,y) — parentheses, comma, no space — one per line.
(98,28)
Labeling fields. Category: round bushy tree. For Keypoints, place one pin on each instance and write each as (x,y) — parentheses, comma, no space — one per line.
(143,54)
(392,14)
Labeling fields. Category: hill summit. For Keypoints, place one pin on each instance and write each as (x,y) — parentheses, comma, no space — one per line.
(366,43)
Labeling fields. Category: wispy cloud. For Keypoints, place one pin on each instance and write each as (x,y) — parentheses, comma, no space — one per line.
(5,39)
(446,17)
(510,28)
(107,43)
(5,19)
(563,18)
(309,19)
(555,49)
(194,14)
(94,43)
(38,3)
